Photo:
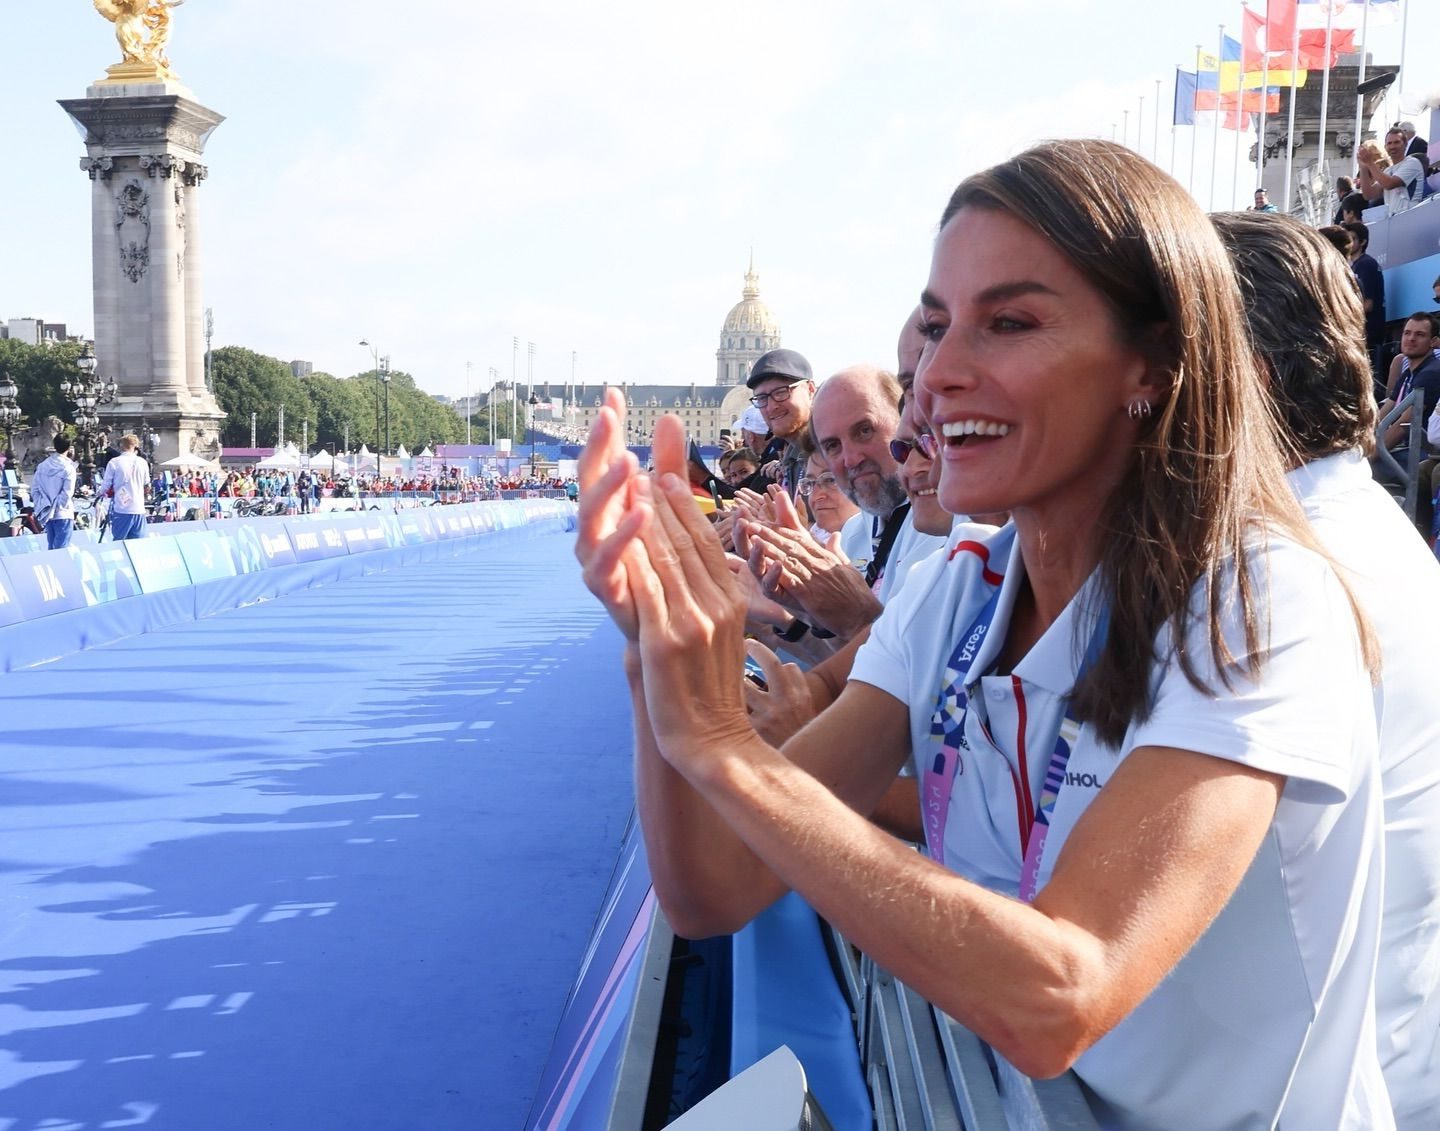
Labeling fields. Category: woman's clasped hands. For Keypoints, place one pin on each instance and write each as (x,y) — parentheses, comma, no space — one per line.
(655,563)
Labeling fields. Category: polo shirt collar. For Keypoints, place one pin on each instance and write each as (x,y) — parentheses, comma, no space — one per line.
(1055,659)
(1342,471)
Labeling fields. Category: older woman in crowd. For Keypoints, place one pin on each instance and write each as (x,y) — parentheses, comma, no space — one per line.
(1148,768)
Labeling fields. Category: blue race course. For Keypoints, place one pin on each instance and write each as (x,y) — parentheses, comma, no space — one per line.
(326,861)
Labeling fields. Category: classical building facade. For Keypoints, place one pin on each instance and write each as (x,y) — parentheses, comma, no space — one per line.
(750,329)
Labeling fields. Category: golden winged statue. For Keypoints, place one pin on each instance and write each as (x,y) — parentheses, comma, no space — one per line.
(142,28)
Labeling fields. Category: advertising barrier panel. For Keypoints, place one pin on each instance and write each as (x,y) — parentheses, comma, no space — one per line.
(45,583)
(106,572)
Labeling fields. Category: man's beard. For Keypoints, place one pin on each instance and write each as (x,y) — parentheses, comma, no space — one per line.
(879,496)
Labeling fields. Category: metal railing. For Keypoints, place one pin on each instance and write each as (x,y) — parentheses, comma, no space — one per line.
(927,1072)
(1412,450)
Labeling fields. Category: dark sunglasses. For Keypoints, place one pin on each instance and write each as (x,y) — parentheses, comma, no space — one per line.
(924,443)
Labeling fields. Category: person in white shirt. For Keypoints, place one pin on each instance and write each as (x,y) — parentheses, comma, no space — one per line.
(1305,319)
(1149,777)
(52,493)
(126,479)
(1403,181)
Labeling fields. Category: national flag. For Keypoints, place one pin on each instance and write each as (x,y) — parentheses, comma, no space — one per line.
(1349,15)
(1185,87)
(1218,87)
(1276,33)
(1254,71)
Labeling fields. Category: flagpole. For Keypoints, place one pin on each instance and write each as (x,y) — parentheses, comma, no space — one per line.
(1241,116)
(1125,130)
(1264,106)
(1325,87)
(1155,141)
(1174,132)
(1289,205)
(1360,81)
(1404,39)
(1215,140)
(1194,127)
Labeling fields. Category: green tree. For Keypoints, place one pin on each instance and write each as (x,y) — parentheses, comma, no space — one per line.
(246,382)
(38,371)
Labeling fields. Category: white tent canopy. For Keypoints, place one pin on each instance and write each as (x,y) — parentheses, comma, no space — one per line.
(322,459)
(401,453)
(185,459)
(283,459)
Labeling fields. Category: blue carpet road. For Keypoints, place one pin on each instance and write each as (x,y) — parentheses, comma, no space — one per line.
(328,862)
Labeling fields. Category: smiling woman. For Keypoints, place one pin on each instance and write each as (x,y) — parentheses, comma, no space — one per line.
(1162,869)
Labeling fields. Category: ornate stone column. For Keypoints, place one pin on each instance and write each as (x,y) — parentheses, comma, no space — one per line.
(143,143)
(189,199)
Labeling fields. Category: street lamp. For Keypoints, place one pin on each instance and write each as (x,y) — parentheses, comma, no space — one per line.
(382,375)
(9,416)
(532,402)
(494,382)
(87,393)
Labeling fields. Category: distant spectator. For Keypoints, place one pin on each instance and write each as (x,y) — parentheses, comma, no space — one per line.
(830,507)
(1338,237)
(783,388)
(1344,187)
(1403,182)
(125,481)
(1352,209)
(1370,157)
(51,492)
(1262,202)
(740,467)
(1372,291)
(1414,146)
(1416,367)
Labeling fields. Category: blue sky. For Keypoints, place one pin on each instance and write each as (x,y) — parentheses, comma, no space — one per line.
(439,178)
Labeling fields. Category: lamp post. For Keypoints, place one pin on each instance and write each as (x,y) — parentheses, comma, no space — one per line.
(9,416)
(494,382)
(532,402)
(87,393)
(379,361)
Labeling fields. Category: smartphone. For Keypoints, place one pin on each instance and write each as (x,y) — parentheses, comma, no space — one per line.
(755,673)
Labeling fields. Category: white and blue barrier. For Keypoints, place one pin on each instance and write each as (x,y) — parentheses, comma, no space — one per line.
(55,602)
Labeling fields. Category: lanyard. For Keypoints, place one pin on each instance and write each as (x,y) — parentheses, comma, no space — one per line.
(947,734)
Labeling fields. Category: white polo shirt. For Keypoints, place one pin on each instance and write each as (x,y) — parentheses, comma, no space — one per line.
(1270,1016)
(1398,583)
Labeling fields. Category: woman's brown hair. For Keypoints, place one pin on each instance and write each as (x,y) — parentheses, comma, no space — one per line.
(1207,478)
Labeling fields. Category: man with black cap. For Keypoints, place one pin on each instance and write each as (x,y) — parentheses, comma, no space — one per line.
(783,389)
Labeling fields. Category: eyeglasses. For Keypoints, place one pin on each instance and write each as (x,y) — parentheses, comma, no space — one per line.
(809,486)
(924,443)
(779,396)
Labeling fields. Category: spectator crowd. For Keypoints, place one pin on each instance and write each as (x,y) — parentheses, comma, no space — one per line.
(1077,667)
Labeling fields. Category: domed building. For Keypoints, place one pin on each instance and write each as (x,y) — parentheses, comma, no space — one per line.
(750,329)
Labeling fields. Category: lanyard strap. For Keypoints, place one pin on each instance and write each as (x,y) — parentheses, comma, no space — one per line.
(947,730)
(881,553)
(947,733)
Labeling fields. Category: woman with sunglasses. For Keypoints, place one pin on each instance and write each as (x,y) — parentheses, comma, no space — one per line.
(1148,771)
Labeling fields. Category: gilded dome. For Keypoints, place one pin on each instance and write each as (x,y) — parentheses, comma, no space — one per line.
(750,330)
(750,315)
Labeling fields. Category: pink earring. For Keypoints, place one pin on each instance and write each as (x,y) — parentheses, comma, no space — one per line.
(1138,409)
